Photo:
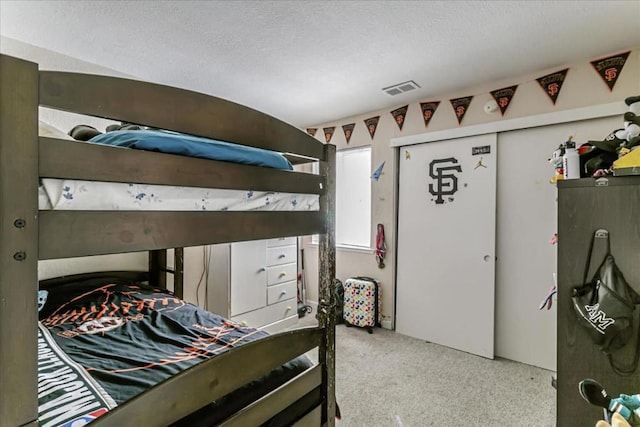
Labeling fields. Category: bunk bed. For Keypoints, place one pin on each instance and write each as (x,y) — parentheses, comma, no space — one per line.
(28,234)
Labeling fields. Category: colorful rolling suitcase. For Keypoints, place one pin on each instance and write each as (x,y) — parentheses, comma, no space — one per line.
(362,305)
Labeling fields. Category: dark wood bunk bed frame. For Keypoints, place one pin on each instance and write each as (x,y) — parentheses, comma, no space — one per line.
(27,234)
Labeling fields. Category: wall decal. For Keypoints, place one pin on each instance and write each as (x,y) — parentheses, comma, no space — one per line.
(428,109)
(610,68)
(460,106)
(328,133)
(484,149)
(503,97)
(348,131)
(480,164)
(372,125)
(552,83)
(376,174)
(312,131)
(446,181)
(399,115)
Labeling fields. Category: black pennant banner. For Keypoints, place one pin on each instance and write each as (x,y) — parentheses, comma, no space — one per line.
(372,125)
(460,106)
(328,133)
(552,83)
(399,115)
(428,109)
(610,67)
(348,131)
(503,97)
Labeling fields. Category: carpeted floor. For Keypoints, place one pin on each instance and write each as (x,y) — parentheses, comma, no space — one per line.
(388,379)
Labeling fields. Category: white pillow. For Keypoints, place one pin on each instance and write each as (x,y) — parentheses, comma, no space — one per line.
(45,129)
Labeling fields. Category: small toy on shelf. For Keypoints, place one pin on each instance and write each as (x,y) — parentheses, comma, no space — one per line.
(556,161)
(597,157)
(631,131)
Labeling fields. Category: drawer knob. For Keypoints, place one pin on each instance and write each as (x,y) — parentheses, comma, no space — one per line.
(289,308)
(244,323)
(282,256)
(283,293)
(262,269)
(284,273)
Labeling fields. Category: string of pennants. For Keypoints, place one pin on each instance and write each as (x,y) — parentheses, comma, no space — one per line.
(608,68)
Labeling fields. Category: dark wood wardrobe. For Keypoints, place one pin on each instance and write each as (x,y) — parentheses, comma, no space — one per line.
(585,205)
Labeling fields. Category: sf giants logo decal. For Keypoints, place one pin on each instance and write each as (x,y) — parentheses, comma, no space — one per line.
(442,171)
(611,74)
(553,89)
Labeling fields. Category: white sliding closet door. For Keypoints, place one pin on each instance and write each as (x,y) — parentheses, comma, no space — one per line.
(446,243)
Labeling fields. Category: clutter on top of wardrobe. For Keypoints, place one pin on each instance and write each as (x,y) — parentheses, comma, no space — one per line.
(617,154)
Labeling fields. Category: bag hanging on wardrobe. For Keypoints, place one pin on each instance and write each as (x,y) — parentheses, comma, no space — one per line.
(605,306)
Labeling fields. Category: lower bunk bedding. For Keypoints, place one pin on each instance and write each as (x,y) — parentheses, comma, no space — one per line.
(102,341)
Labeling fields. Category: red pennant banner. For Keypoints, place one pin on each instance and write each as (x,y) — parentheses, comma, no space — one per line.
(328,133)
(312,131)
(348,131)
(372,125)
(428,110)
(610,68)
(503,97)
(552,83)
(399,115)
(460,106)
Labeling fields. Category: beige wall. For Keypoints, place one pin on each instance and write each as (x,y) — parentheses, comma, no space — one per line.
(582,87)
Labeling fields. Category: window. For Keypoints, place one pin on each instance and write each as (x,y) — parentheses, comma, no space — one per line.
(353,197)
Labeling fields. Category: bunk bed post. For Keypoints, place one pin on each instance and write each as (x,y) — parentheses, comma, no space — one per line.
(158,268)
(178,272)
(327,272)
(18,242)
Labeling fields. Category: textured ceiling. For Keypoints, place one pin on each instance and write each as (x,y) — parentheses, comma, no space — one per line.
(311,62)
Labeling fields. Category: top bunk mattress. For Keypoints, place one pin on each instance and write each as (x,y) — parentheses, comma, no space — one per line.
(68,194)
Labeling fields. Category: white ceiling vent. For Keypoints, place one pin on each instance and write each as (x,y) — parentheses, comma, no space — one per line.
(399,88)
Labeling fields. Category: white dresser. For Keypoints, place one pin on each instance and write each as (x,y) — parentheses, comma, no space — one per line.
(255,282)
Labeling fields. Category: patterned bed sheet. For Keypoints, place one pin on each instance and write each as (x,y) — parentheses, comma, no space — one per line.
(103,341)
(63,194)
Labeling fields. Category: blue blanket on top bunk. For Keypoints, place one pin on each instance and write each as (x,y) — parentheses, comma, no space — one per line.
(193,146)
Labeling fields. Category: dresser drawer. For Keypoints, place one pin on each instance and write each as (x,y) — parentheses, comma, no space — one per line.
(269,314)
(281,255)
(281,241)
(282,273)
(281,292)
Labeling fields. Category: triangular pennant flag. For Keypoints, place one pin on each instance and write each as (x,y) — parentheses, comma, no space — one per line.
(428,109)
(460,106)
(503,97)
(609,68)
(552,83)
(376,174)
(399,115)
(328,133)
(348,131)
(372,125)
(312,131)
